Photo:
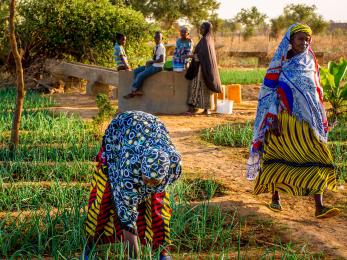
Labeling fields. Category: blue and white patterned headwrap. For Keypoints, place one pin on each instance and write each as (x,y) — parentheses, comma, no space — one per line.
(155,164)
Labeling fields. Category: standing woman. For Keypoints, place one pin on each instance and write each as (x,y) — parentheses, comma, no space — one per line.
(289,151)
(183,50)
(204,72)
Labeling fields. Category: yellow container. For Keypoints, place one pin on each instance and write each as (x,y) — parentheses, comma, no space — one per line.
(233,92)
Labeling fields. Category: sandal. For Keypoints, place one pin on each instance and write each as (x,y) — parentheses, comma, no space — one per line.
(164,257)
(327,212)
(275,206)
(138,93)
(130,95)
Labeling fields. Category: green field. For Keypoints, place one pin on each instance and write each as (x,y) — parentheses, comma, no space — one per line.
(46,183)
(242,76)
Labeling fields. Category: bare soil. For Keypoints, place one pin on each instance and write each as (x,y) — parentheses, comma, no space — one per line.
(296,223)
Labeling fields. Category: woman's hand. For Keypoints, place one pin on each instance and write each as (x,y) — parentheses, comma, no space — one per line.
(149,63)
(131,240)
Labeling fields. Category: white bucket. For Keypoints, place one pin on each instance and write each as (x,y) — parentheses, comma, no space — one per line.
(224,106)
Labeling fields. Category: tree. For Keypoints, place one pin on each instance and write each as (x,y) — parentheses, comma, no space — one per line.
(230,26)
(251,19)
(167,11)
(302,13)
(4,41)
(198,10)
(20,80)
(80,30)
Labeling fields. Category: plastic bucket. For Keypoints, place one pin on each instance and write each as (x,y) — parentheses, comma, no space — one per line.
(225,106)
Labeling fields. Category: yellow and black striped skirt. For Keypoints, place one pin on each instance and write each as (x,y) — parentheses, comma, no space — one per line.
(103,226)
(295,161)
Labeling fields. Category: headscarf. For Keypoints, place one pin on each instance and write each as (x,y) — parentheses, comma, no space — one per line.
(291,85)
(208,60)
(186,29)
(155,164)
(300,27)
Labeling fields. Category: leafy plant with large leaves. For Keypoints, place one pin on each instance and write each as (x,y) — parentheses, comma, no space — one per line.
(333,80)
(80,30)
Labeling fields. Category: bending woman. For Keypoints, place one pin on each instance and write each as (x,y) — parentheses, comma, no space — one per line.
(289,151)
(128,200)
(205,78)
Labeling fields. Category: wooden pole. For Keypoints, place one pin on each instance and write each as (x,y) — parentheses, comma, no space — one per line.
(20,80)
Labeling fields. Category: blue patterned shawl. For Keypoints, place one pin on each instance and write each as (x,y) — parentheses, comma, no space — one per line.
(290,85)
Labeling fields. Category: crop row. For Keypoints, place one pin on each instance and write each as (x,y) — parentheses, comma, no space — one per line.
(32,100)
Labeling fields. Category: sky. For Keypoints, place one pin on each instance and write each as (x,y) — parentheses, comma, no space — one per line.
(335,10)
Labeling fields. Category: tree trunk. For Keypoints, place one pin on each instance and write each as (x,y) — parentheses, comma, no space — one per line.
(20,80)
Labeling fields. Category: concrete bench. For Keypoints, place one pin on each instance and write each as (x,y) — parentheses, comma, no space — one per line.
(165,92)
(96,76)
(262,56)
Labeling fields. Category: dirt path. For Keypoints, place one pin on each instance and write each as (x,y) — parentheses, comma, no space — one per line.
(227,165)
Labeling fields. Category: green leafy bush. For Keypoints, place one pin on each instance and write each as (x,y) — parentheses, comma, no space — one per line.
(105,113)
(334,85)
(79,30)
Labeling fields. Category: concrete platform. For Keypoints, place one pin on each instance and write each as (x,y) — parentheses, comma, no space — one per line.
(165,92)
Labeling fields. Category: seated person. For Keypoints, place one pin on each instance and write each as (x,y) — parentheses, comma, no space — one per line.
(183,50)
(119,53)
(152,66)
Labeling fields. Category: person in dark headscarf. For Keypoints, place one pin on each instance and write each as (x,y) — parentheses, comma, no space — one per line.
(205,80)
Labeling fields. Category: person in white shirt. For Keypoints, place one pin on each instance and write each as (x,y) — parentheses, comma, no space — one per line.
(152,66)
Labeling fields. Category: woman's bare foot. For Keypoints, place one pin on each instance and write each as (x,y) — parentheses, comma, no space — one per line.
(207,112)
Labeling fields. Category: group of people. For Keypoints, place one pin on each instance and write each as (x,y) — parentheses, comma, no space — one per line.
(137,160)
(200,64)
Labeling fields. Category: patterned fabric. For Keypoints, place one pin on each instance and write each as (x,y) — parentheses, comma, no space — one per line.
(182,50)
(129,139)
(103,225)
(289,85)
(296,161)
(199,95)
(119,52)
(301,28)
(155,164)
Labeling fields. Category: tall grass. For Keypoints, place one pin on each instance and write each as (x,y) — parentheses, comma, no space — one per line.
(234,135)
(31,101)
(245,77)
(35,197)
(338,146)
(11,171)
